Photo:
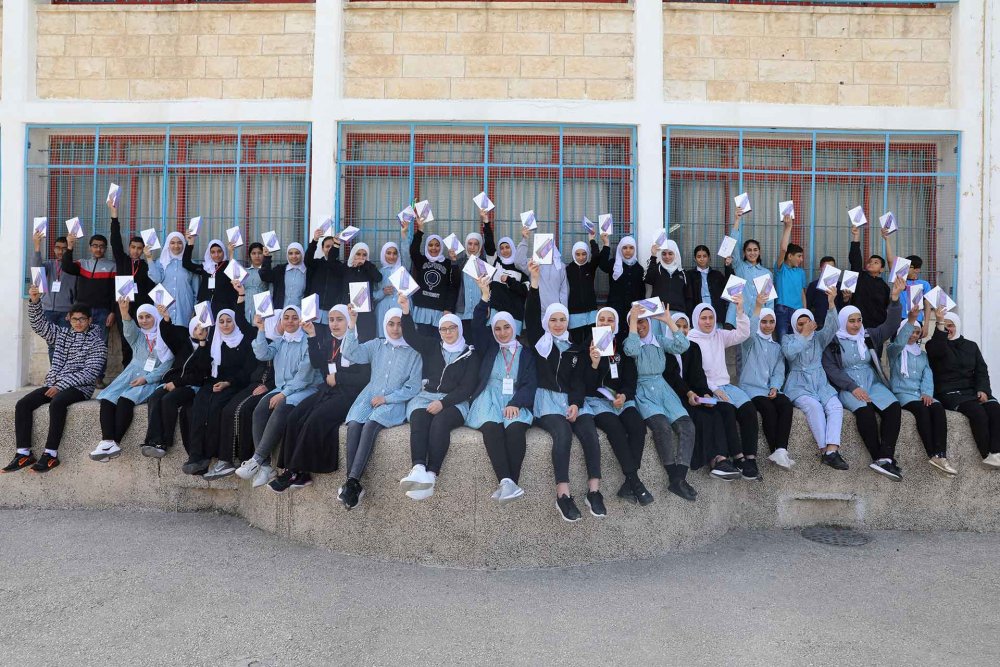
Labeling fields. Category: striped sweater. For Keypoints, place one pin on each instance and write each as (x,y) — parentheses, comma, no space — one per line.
(77,358)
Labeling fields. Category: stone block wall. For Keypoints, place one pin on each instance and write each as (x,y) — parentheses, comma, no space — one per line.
(449,50)
(169,52)
(808,55)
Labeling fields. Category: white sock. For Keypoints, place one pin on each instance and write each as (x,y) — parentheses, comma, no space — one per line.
(53,453)
(24,452)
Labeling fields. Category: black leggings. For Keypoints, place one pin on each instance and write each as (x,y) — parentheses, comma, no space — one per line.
(116,418)
(164,407)
(932,425)
(205,422)
(880,441)
(562,432)
(627,434)
(741,428)
(58,406)
(776,415)
(506,448)
(430,436)
(984,420)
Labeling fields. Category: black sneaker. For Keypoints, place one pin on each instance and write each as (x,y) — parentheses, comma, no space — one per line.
(641,493)
(20,461)
(281,483)
(725,471)
(595,503)
(301,480)
(889,469)
(626,492)
(834,460)
(46,463)
(568,509)
(748,468)
(196,467)
(687,487)
(153,451)
(352,493)
(680,487)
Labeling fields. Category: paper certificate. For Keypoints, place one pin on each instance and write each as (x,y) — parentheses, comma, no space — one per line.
(40,226)
(270,241)
(733,288)
(310,308)
(150,238)
(403,281)
(528,220)
(786,208)
(604,339)
(360,298)
(348,233)
(606,222)
(160,296)
(914,294)
(888,223)
(742,203)
(477,268)
(901,268)
(38,279)
(849,283)
(235,271)
(74,227)
(727,247)
(857,216)
(829,278)
(765,285)
(203,312)
(452,243)
(235,236)
(483,202)
(194,225)
(113,193)
(544,246)
(125,287)
(263,305)
(650,307)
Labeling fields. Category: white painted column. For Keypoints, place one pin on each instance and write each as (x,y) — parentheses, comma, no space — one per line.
(327,87)
(989,159)
(649,100)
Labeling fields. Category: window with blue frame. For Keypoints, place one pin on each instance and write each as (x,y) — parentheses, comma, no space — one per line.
(825,173)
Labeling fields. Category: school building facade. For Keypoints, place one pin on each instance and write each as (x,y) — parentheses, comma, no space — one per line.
(278,115)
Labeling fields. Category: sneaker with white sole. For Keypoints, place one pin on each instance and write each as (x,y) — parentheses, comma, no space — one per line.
(418,479)
(509,491)
(942,464)
(248,470)
(992,461)
(420,494)
(499,492)
(781,459)
(219,470)
(887,468)
(263,476)
(106,450)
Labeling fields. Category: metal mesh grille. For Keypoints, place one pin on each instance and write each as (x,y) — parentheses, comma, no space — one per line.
(253,176)
(825,173)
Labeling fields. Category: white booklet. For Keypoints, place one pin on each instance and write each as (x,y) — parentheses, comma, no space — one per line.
(727,246)
(235,271)
(544,248)
(125,287)
(161,296)
(476,268)
(938,298)
(348,233)
(528,220)
(150,238)
(743,202)
(38,279)
(734,288)
(194,225)
(650,307)
(765,285)
(360,297)
(326,228)
(849,282)
(888,223)
(263,305)
(588,225)
(483,202)
(606,222)
(113,193)
(403,281)
(604,339)
(74,227)
(452,243)
(424,209)
(829,278)
(914,295)
(203,312)
(857,216)
(660,240)
(235,236)
(406,216)
(786,208)
(270,241)
(310,308)
(40,226)
(901,268)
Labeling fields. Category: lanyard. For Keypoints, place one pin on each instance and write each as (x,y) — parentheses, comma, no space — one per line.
(151,344)
(135,266)
(335,350)
(508,364)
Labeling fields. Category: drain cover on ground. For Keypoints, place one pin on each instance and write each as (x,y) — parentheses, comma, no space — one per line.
(838,537)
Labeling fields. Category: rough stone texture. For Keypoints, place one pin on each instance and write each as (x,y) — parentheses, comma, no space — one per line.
(807,55)
(517,50)
(462,526)
(163,52)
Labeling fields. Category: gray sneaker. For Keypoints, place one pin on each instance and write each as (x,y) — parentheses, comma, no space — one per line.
(509,491)
(219,470)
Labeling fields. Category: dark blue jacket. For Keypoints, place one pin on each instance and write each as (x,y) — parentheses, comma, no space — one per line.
(483,340)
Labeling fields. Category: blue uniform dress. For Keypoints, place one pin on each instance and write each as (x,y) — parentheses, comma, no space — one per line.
(253,284)
(490,404)
(141,351)
(395,375)
(653,396)
(383,302)
(425,398)
(806,376)
(747,272)
(548,402)
(181,284)
(294,375)
(919,380)
(763,364)
(295,287)
(859,366)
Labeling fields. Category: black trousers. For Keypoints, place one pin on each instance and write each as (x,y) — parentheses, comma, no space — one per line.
(116,418)
(710,435)
(932,425)
(561,431)
(430,436)
(984,420)
(236,427)
(627,434)
(58,406)
(879,439)
(506,448)
(164,408)
(741,428)
(776,415)
(205,422)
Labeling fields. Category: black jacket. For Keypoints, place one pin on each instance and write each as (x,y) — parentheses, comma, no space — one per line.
(582,297)
(238,363)
(562,372)
(223,295)
(628,375)
(875,338)
(324,349)
(716,283)
(872,294)
(509,295)
(126,266)
(192,366)
(629,287)
(456,380)
(323,277)
(818,304)
(673,289)
(275,275)
(439,285)
(484,342)
(95,280)
(690,378)
(959,369)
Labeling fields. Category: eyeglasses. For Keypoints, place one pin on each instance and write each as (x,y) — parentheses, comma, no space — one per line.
(79,320)
(98,245)
(451,329)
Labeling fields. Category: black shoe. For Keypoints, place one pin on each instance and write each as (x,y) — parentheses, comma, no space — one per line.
(595,503)
(153,451)
(281,483)
(889,469)
(352,493)
(20,461)
(301,480)
(725,471)
(196,467)
(834,460)
(568,509)
(641,493)
(680,487)
(626,492)
(46,463)
(748,468)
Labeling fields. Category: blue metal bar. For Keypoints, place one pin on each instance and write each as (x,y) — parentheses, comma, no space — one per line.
(791,130)
(560,206)
(666,189)
(819,172)
(958,204)
(812,212)
(163,183)
(239,184)
(885,188)
(308,185)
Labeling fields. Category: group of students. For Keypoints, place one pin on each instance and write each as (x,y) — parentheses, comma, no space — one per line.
(498,355)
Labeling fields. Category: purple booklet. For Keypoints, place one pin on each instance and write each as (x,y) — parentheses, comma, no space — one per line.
(480,267)
(606,340)
(404,281)
(588,226)
(361,298)
(126,288)
(546,248)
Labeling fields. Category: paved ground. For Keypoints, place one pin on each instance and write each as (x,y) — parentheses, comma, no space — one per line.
(113,588)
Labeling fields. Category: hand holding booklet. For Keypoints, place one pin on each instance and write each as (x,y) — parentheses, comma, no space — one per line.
(452,243)
(544,248)
(263,305)
(38,279)
(360,297)
(203,312)
(734,288)
(125,287)
(528,220)
(406,216)
(74,227)
(938,298)
(483,202)
(588,225)
(235,236)
(727,246)
(348,233)
(901,268)
(150,238)
(235,271)
(786,208)
(742,203)
(829,278)
(40,226)
(476,268)
(765,285)
(194,225)
(849,283)
(650,307)
(326,228)
(161,296)
(857,216)
(604,339)
(660,240)
(606,222)
(310,308)
(403,281)
(270,240)
(888,223)
(424,209)
(113,193)
(914,296)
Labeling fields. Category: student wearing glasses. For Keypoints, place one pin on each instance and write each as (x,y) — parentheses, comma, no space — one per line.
(95,282)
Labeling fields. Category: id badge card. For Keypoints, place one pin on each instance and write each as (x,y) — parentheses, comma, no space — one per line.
(331,369)
(211,282)
(508,386)
(150,364)
(55,286)
(614,370)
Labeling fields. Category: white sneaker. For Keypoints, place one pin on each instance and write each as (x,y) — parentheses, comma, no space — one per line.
(263,476)
(511,491)
(418,479)
(992,461)
(496,494)
(780,459)
(106,450)
(248,469)
(421,494)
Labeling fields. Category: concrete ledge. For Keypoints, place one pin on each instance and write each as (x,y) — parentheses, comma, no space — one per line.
(461,525)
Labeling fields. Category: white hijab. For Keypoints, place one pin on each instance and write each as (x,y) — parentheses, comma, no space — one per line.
(389,314)
(908,349)
(301,266)
(674,265)
(469,237)
(618,270)
(858,338)
(459,344)
(438,257)
(677,317)
(231,340)
(342,309)
(506,261)
(193,325)
(152,334)
(764,312)
(386,265)
(165,255)
(613,312)
(580,245)
(545,343)
(695,333)
(801,312)
(954,319)
(354,251)
(207,263)
(299,333)
(504,316)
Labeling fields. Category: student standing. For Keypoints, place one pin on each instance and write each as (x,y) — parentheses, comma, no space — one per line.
(95,282)
(385,296)
(665,275)
(477,244)
(749,266)
(552,284)
(129,263)
(324,274)
(58,299)
(359,270)
(789,280)
(872,294)
(705,284)
(580,275)
(435,279)
(253,284)
(509,290)
(213,284)
(627,283)
(169,271)
(288,281)
(816,300)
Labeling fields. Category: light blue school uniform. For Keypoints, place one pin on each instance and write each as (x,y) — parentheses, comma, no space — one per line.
(653,396)
(919,380)
(858,365)
(383,302)
(748,272)
(119,387)
(395,374)
(582,319)
(763,363)
(294,375)
(425,398)
(489,405)
(548,402)
(470,297)
(252,284)
(804,357)
(295,287)
(181,284)
(789,283)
